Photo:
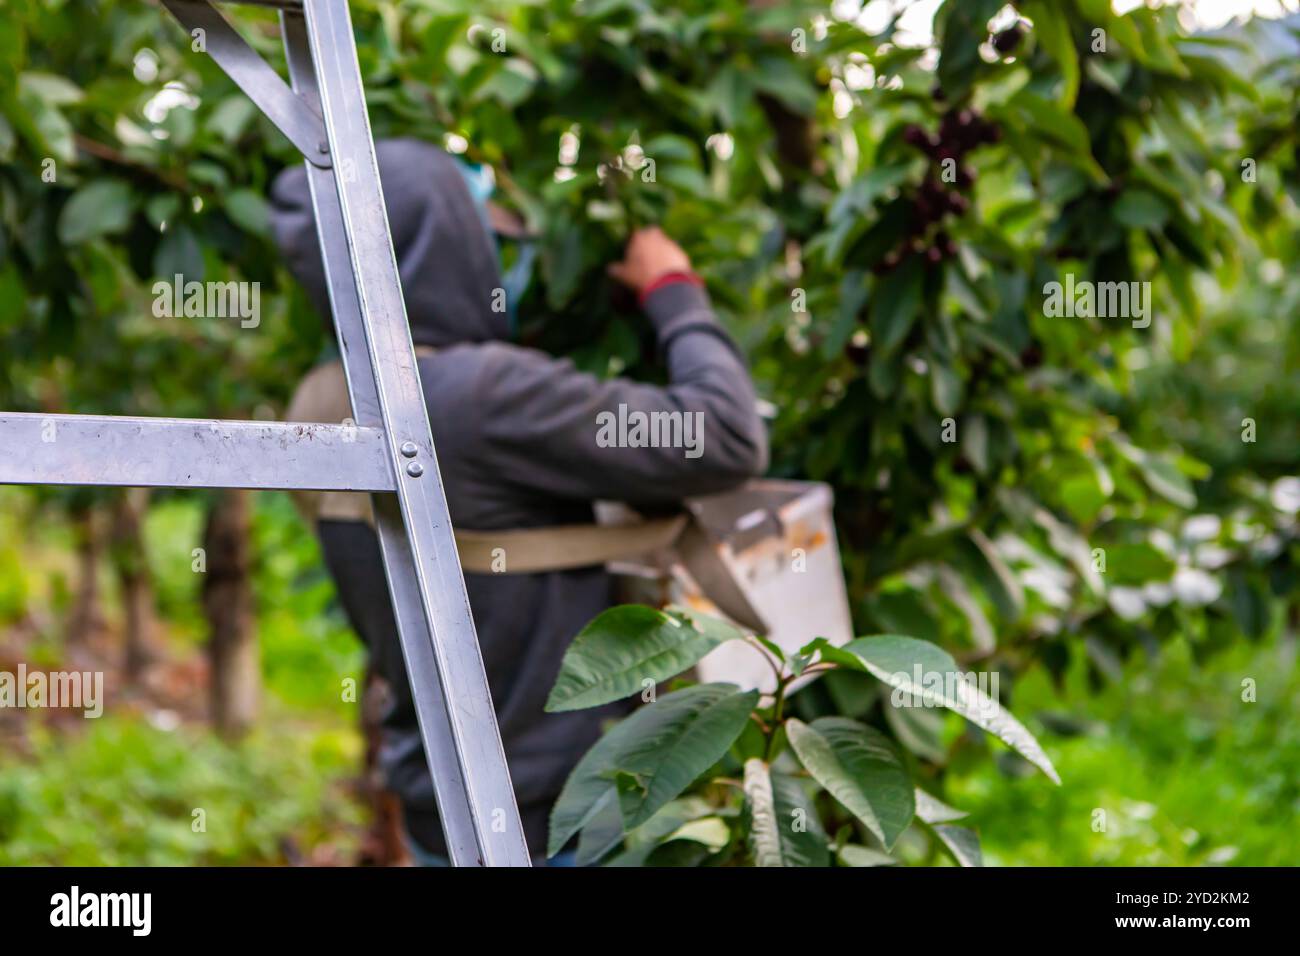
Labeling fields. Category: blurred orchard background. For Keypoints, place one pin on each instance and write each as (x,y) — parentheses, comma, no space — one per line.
(1106,514)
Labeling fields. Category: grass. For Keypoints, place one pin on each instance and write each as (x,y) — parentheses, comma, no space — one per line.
(1181,768)
(138,786)
(126,792)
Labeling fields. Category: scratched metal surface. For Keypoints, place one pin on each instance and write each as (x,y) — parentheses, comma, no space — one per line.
(190,453)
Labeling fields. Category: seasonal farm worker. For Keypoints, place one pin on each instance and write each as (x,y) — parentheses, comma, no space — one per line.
(524,441)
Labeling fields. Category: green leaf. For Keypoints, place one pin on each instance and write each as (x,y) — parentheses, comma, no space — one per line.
(1058,127)
(1157,50)
(958,593)
(784,829)
(1140,209)
(510,84)
(852,296)
(101,208)
(859,767)
(928,674)
(50,88)
(602,833)
(7,140)
(852,692)
(945,386)
(858,197)
(178,253)
(1052,28)
(678,745)
(249,211)
(933,810)
(894,309)
(962,843)
(1123,35)
(765,843)
(1069,544)
(44,126)
(588,793)
(883,374)
(1082,495)
(858,856)
(920,731)
(961,28)
(231,117)
(772,647)
(712,832)
(669,146)
(652,756)
(162,209)
(1160,474)
(563,260)
(1137,564)
(649,836)
(625,646)
(728,94)
(993,575)
(779,77)
(1166,480)
(1250,605)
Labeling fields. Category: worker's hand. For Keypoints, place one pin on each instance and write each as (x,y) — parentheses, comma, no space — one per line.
(650,256)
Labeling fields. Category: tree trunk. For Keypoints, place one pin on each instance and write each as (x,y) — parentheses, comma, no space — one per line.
(132,566)
(86,617)
(228,604)
(796,135)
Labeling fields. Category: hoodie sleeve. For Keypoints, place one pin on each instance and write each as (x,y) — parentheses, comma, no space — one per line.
(552,429)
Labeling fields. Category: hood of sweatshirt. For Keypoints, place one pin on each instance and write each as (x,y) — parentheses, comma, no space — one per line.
(445,254)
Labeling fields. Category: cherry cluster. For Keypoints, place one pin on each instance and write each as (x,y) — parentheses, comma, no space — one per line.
(960,131)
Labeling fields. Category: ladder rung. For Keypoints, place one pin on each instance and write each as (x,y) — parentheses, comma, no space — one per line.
(38,449)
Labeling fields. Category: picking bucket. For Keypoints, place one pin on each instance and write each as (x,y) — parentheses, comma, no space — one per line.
(765,557)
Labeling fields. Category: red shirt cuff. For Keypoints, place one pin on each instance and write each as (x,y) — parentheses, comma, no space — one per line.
(669,278)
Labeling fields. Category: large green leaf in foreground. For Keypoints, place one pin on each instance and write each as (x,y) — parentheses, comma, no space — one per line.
(860,768)
(651,757)
(625,646)
(784,829)
(962,842)
(898,660)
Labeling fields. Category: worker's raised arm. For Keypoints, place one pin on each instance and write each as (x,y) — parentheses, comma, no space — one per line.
(562,432)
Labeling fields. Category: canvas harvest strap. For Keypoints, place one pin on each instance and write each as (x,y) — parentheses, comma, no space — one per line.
(562,547)
(322,396)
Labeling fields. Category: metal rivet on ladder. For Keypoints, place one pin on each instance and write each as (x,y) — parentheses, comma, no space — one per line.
(415,469)
(408,449)
(323,146)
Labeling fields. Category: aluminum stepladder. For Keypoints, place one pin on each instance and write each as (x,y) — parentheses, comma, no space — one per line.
(388,452)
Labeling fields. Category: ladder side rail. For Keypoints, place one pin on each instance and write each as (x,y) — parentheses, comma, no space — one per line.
(417,649)
(434,563)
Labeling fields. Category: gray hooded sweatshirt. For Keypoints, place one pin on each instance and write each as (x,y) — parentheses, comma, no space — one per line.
(517,437)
